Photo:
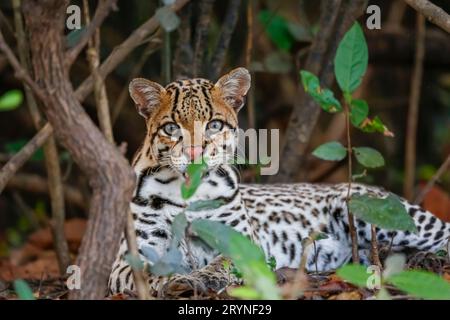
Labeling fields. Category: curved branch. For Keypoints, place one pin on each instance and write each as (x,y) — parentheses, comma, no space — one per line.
(18,160)
(102,11)
(432,12)
(123,50)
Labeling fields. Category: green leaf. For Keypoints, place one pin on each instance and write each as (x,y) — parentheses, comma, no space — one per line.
(324,97)
(277,29)
(355,274)
(359,110)
(350,62)
(23,290)
(245,293)
(332,151)
(368,157)
(247,257)
(202,205)
(194,173)
(167,18)
(421,284)
(179,225)
(388,213)
(375,125)
(11,100)
(135,262)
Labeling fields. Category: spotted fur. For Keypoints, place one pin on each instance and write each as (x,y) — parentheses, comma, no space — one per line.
(277,217)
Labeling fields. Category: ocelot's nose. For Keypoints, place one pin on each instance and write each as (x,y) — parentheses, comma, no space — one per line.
(193,152)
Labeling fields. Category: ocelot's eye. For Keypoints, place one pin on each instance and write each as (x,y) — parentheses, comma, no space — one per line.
(214,126)
(171,129)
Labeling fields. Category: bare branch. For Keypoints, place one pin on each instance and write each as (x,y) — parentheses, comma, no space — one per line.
(21,73)
(101,97)
(413,111)
(433,13)
(138,275)
(123,50)
(17,161)
(218,57)
(102,11)
(442,169)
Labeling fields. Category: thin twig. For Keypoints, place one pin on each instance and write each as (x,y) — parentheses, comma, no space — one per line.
(17,161)
(124,94)
(123,50)
(50,151)
(351,219)
(433,13)
(228,26)
(248,61)
(413,112)
(102,11)
(101,98)
(442,169)
(20,72)
(374,247)
(138,275)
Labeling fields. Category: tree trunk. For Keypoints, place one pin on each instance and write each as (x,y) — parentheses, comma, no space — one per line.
(109,174)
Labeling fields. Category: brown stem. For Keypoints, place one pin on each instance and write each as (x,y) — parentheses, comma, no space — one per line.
(351,219)
(228,26)
(101,97)
(17,161)
(374,247)
(433,13)
(248,59)
(103,9)
(442,169)
(50,151)
(413,112)
(138,275)
(123,50)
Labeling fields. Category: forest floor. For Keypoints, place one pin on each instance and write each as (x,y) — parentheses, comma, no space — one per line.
(36,263)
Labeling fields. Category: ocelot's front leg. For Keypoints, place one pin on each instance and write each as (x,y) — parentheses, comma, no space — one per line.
(214,277)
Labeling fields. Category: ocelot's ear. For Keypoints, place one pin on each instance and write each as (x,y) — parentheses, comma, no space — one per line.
(146,95)
(234,86)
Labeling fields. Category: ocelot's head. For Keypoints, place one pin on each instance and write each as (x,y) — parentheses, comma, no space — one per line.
(190,119)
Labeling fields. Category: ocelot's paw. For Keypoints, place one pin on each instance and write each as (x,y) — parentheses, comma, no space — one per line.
(195,283)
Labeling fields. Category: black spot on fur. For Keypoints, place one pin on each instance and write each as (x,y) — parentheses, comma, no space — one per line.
(160,234)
